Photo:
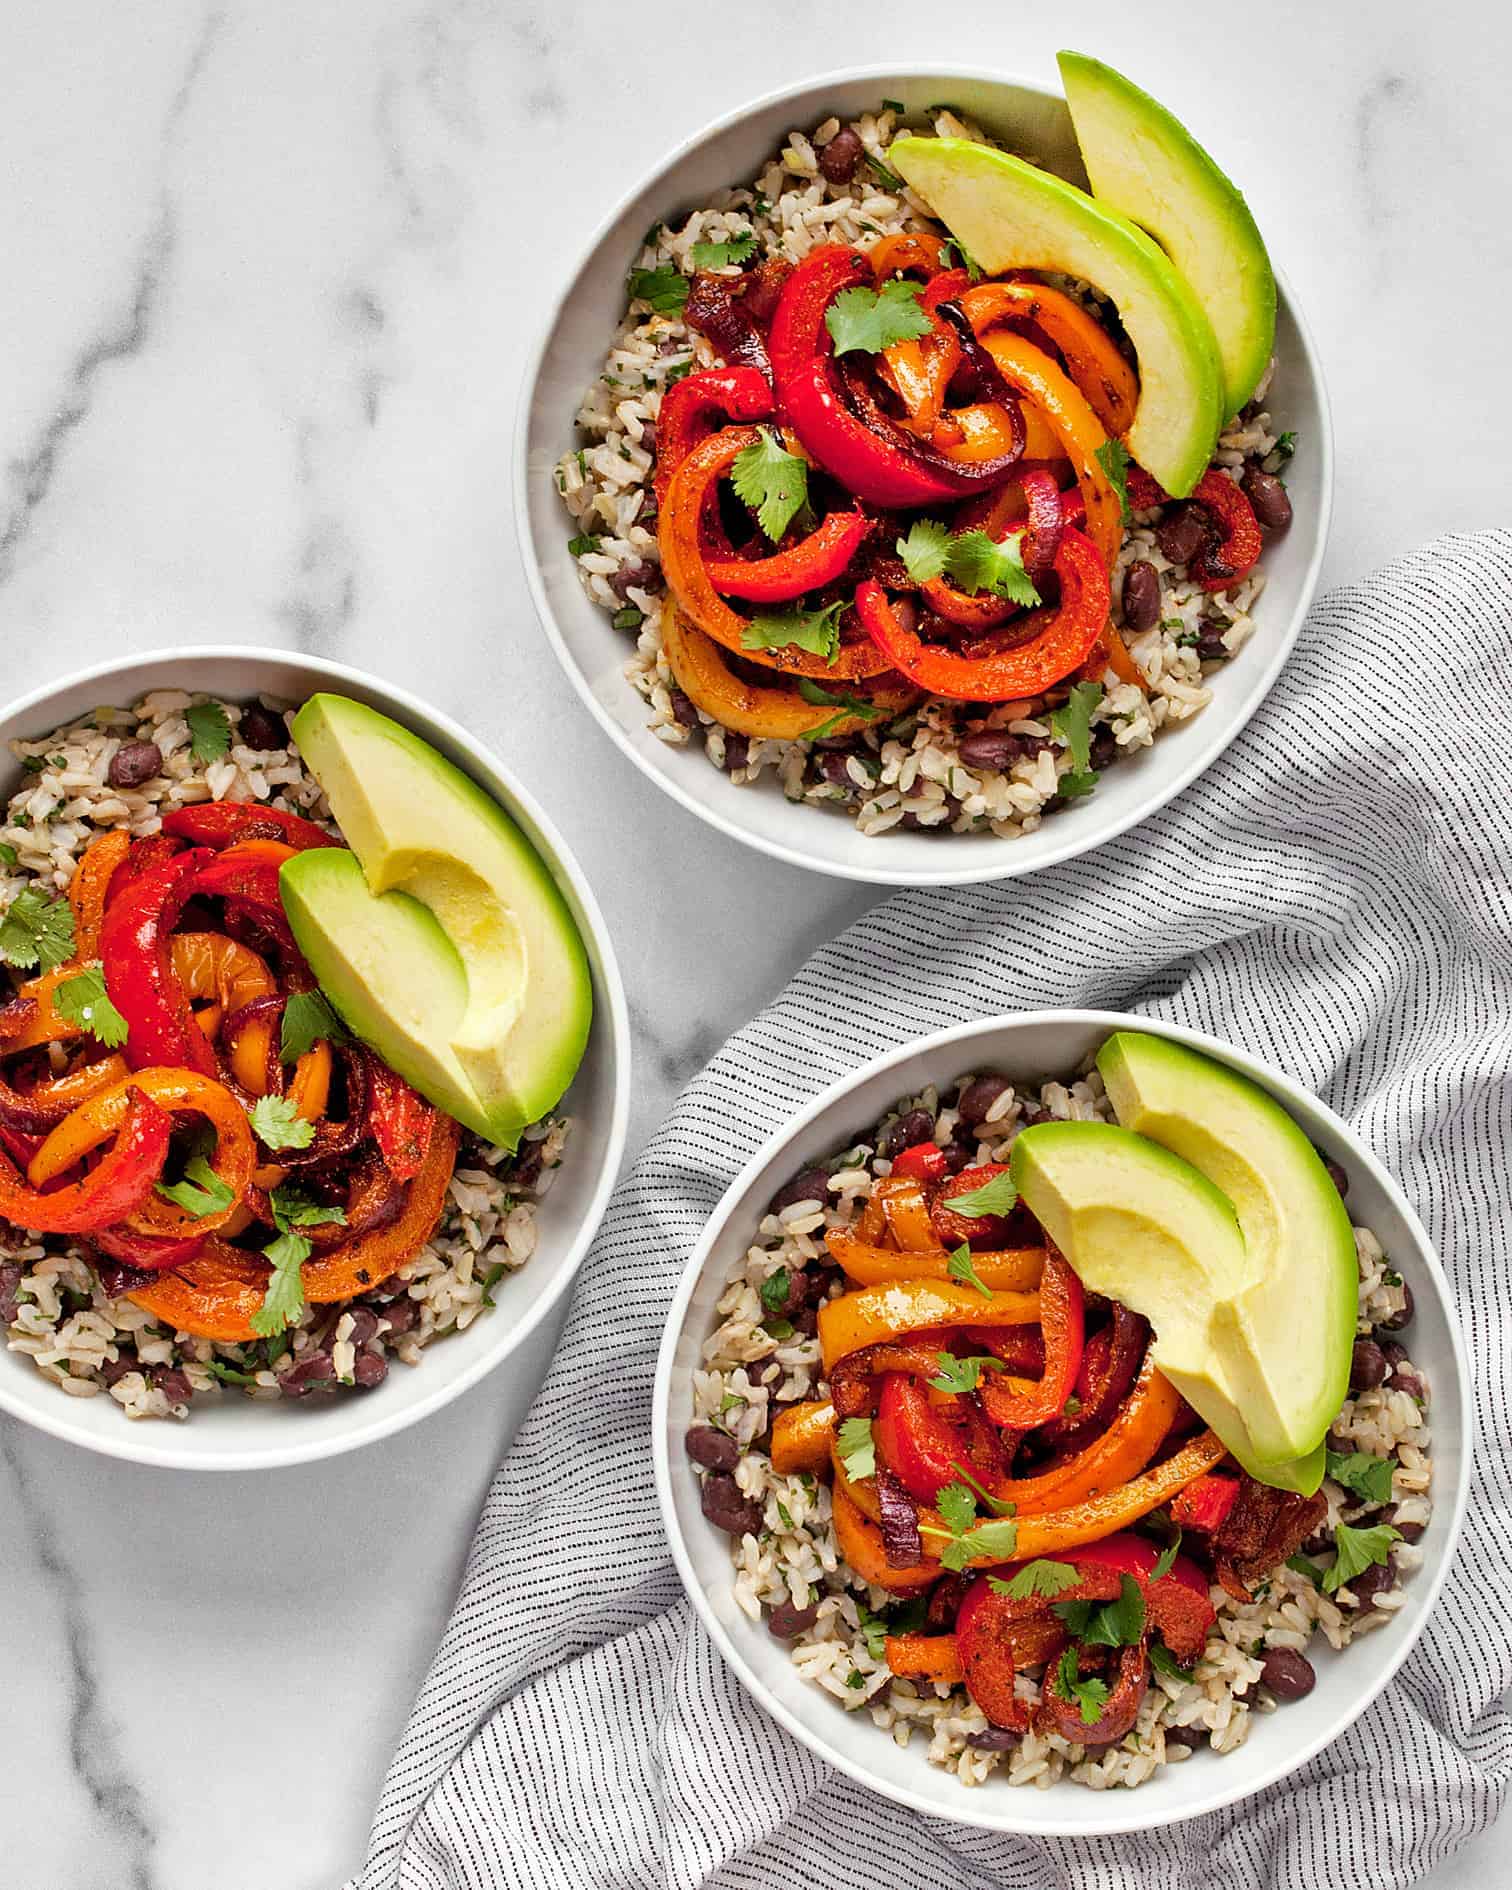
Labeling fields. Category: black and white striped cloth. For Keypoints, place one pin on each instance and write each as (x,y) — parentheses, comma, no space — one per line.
(1335,895)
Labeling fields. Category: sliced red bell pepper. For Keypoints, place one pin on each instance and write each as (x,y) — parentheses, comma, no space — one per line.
(223,823)
(814,562)
(1062,1321)
(116,1186)
(978,1230)
(991,671)
(245,875)
(1177,1605)
(923,1443)
(688,407)
(1205,1504)
(798,333)
(139,975)
(1055,1713)
(1111,1360)
(145,1252)
(144,854)
(400,1120)
(1217,566)
(871,468)
(988,1630)
(925,1161)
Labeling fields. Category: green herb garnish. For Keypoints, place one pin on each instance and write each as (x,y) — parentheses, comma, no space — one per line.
(36,932)
(817,631)
(83,1001)
(772,481)
(865,321)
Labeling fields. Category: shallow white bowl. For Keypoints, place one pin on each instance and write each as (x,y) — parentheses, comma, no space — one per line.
(237,1433)
(570,356)
(1033,1045)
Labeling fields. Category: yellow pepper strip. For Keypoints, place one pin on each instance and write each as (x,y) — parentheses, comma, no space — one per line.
(1122,1451)
(925,1657)
(801,1437)
(778,713)
(905,1213)
(878,1313)
(88,887)
(1099,370)
(210,965)
(1101,1516)
(1013,1269)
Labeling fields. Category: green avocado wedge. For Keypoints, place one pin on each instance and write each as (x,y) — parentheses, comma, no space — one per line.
(1011,215)
(449,948)
(1296,1322)
(1145,164)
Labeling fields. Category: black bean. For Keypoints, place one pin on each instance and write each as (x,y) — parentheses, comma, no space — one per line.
(839,158)
(640,577)
(796,1296)
(958,1156)
(713,1449)
(1367,1368)
(945,1600)
(370,1369)
(907,1132)
(313,1368)
(1408,1531)
(10,1281)
(725,1506)
(1033,1112)
(1105,750)
(978,1097)
(737,753)
(836,770)
(1211,648)
(1338,1177)
(1399,1321)
(115,1369)
(261,729)
(1373,1582)
(811,1185)
(1268,496)
(1288,1674)
(685,709)
(787,1620)
(806,1320)
(995,1739)
(1141,595)
(1189,1736)
(364,1325)
(133,763)
(1180,533)
(400,1314)
(1397,1362)
(994,748)
(173,1384)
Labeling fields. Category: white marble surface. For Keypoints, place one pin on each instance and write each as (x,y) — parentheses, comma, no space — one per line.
(270,272)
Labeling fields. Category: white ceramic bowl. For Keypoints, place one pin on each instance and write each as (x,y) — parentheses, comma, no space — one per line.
(236,1433)
(570,356)
(1033,1045)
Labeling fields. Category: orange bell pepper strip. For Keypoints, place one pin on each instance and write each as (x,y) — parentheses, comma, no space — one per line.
(877,1313)
(211,965)
(905,253)
(859,1541)
(1014,1269)
(802,1435)
(1122,1451)
(984,431)
(177,1091)
(1092,359)
(45,1025)
(779,714)
(686,570)
(212,1296)
(924,1657)
(905,1212)
(1115,1509)
(122,1179)
(88,887)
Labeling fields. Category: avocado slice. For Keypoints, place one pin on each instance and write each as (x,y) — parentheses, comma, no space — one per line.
(1296,1322)
(449,948)
(1143,163)
(1010,215)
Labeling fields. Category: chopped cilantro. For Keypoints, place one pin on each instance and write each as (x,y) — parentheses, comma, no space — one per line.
(772,481)
(961,1374)
(209,731)
(8,855)
(848,708)
(865,321)
(996,1196)
(278,1123)
(1089,1696)
(1076,783)
(201,1192)
(490,1280)
(855,1679)
(679,371)
(228,1374)
(817,631)
(1166,1560)
(1113,457)
(1071,723)
(307,1020)
(999,1506)
(875,1629)
(1286,445)
(36,932)
(785,1514)
(773,1290)
(894,105)
(1117,1623)
(963,1536)
(1358,1550)
(1305,1565)
(978,562)
(960,1267)
(663,290)
(630,618)
(1040,1577)
(1368,1477)
(1164,1661)
(83,1001)
(284,1297)
(582,544)
(779,1329)
(739,249)
(857,1451)
(292,1208)
(925,549)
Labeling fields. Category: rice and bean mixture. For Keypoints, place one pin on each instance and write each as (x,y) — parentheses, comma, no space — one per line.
(787,1566)
(125,768)
(956,767)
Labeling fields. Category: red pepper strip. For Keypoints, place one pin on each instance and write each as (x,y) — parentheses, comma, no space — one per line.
(1144,491)
(1064,639)
(1176,1606)
(924,1444)
(979,1230)
(987,1629)
(1056,1714)
(855,1387)
(145,854)
(400,1120)
(115,1187)
(1032,501)
(815,561)
(1062,1320)
(798,334)
(923,1162)
(871,468)
(1206,1503)
(915,250)
(221,823)
(975,610)
(946,287)
(246,877)
(1216,567)
(145,1252)
(1110,1364)
(139,975)
(19,1144)
(739,393)
(1021,1348)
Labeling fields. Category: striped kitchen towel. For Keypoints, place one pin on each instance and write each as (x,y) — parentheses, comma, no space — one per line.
(1333,895)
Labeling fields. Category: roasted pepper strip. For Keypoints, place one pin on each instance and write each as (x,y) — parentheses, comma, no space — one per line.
(212,1296)
(879,1313)
(136,950)
(1217,567)
(923,1443)
(400,1119)
(1104,377)
(859,1541)
(1063,1322)
(905,1208)
(994,1638)
(356,1265)
(88,888)
(801,1437)
(798,333)
(688,407)
(924,1657)
(809,565)
(1057,642)
(1122,1451)
(37,1109)
(1014,1269)
(1056,1714)
(211,966)
(223,823)
(119,1183)
(1116,1509)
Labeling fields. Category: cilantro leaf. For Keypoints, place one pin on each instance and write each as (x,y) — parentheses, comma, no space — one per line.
(36,932)
(1113,457)
(1286,446)
(307,1020)
(957,1507)
(1071,723)
(201,1191)
(964,1537)
(996,1196)
(817,631)
(278,1123)
(978,562)
(1075,784)
(865,321)
(1089,1696)
(1166,1560)
(999,1506)
(292,1208)
(8,854)
(1040,1577)
(954,247)
(886,176)
(83,1001)
(1164,1661)
(1368,1477)
(961,1374)
(857,1451)
(875,1629)
(581,545)
(997,1539)
(772,481)
(228,1374)
(925,550)
(209,731)
(894,105)
(1305,1565)
(773,1290)
(848,708)
(959,1267)
(1358,1550)
(1117,1623)
(663,290)
(739,249)
(284,1296)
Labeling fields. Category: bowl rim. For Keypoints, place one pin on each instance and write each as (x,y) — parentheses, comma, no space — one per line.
(936,1044)
(610,1006)
(999,863)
